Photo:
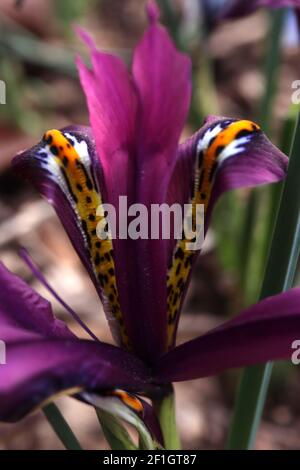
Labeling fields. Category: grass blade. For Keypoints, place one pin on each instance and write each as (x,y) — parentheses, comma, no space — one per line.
(61,427)
(270,73)
(279,276)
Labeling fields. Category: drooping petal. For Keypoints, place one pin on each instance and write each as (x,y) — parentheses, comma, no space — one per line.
(224,154)
(261,333)
(239,8)
(44,358)
(65,169)
(232,154)
(24,314)
(37,370)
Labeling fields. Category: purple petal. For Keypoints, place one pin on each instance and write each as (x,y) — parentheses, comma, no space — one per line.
(164,101)
(112,104)
(112,99)
(246,160)
(137,125)
(223,155)
(239,8)
(37,370)
(152,11)
(24,314)
(261,333)
(44,358)
(163,108)
(71,180)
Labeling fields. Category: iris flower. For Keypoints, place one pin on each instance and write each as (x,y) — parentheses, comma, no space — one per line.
(238,8)
(132,149)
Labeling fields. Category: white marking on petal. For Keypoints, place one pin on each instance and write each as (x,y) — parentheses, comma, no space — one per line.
(81,149)
(233,148)
(209,134)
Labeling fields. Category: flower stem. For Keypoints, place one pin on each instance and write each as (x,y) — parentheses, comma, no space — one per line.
(279,276)
(165,410)
(271,72)
(61,427)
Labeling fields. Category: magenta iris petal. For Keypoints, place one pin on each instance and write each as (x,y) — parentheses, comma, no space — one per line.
(163,109)
(112,104)
(258,162)
(249,160)
(163,79)
(261,333)
(36,168)
(137,124)
(31,165)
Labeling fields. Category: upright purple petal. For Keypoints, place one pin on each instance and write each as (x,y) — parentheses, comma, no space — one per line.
(37,370)
(112,104)
(261,333)
(137,123)
(163,107)
(163,79)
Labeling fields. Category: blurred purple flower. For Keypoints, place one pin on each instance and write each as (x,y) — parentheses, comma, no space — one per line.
(132,149)
(238,8)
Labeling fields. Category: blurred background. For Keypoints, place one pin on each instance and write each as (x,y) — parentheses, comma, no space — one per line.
(230,73)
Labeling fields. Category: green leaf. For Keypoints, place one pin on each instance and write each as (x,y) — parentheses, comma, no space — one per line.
(114,432)
(279,276)
(61,427)
(251,245)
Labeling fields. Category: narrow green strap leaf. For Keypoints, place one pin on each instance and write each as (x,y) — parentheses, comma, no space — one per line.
(272,61)
(279,276)
(275,190)
(265,114)
(114,432)
(165,410)
(61,427)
